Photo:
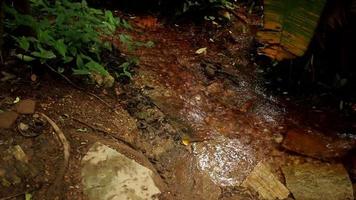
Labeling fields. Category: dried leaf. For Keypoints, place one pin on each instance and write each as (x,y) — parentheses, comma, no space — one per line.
(185,142)
(201,51)
(82,130)
(16,100)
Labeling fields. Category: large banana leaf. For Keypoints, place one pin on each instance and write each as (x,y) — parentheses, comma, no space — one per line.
(289,26)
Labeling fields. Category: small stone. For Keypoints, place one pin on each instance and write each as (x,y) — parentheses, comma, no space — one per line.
(318,182)
(278,138)
(23,127)
(7,119)
(26,106)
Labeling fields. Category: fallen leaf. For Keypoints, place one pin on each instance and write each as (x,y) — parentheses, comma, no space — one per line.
(28,196)
(201,51)
(82,129)
(16,100)
(185,142)
(33,77)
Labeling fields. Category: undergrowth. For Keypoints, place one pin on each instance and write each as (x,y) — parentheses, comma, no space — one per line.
(69,36)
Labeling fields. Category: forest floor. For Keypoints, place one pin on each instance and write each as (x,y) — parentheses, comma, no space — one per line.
(204,123)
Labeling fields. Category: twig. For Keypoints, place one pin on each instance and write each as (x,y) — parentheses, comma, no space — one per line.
(13,196)
(121,139)
(81,89)
(66,153)
(19,194)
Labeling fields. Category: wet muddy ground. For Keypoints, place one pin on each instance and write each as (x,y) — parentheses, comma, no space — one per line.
(201,122)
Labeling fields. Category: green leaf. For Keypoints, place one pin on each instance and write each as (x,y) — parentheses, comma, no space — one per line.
(126,25)
(79,61)
(28,196)
(81,72)
(126,39)
(96,67)
(68,59)
(61,47)
(25,57)
(44,54)
(23,43)
(150,44)
(44,35)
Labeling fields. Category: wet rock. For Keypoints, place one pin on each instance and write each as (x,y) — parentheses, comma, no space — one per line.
(190,183)
(265,183)
(315,144)
(26,106)
(318,182)
(108,174)
(227,161)
(7,119)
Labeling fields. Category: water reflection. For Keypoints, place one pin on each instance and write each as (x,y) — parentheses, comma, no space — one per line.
(227,161)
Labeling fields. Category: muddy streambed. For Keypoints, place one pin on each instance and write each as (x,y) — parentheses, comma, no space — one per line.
(203,123)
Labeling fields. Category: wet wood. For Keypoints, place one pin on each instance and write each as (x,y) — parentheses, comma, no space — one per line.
(265,183)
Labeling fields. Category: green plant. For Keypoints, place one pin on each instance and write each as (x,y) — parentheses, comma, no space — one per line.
(68,34)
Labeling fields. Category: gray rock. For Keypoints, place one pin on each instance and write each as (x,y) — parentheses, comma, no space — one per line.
(318,182)
(108,174)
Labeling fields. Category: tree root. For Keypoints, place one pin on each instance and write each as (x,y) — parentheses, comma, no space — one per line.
(54,190)
(94,128)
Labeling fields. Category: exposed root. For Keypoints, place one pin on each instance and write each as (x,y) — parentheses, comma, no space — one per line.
(118,138)
(54,190)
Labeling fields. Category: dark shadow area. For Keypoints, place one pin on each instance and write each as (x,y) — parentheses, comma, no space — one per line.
(325,76)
